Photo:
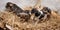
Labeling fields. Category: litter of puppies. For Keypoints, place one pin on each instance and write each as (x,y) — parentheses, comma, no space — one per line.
(40,14)
(9,21)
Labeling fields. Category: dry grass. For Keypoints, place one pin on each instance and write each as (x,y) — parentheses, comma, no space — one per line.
(14,22)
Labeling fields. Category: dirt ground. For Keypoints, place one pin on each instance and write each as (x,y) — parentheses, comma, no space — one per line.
(14,23)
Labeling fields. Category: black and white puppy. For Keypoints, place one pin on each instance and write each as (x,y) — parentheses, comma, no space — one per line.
(17,10)
(38,14)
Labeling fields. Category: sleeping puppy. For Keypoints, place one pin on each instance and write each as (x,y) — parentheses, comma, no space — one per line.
(13,8)
(17,10)
(38,15)
(41,15)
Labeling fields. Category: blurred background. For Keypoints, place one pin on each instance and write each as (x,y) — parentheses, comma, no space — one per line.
(53,4)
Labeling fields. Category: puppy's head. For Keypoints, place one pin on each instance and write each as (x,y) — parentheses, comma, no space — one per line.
(46,9)
(11,6)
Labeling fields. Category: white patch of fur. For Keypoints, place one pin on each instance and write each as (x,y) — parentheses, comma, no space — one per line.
(41,12)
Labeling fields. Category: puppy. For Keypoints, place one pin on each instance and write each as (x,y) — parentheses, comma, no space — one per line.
(38,14)
(18,11)
(13,8)
(41,14)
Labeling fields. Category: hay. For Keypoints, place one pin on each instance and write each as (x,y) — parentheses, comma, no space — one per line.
(14,23)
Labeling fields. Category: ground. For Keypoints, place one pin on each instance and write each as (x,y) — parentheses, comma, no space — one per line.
(15,24)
